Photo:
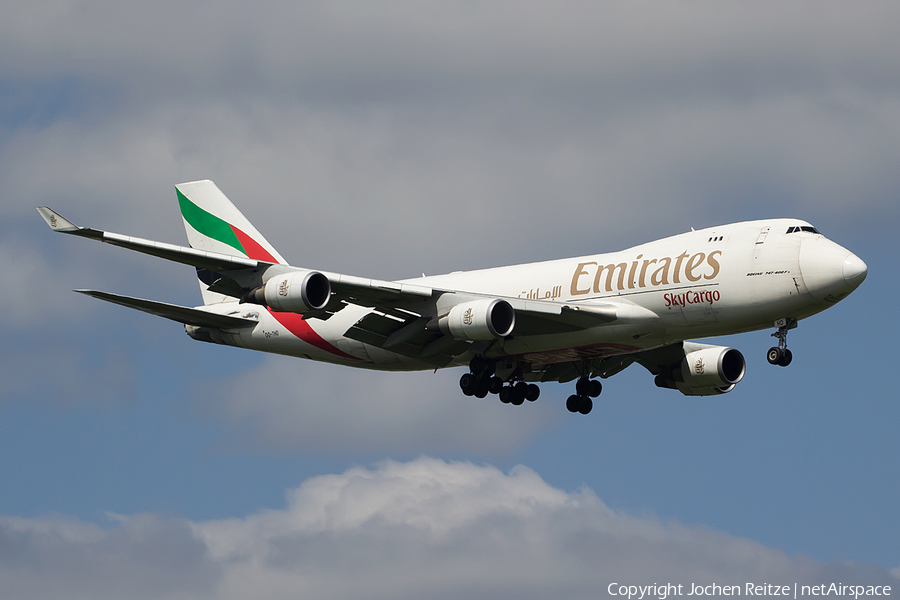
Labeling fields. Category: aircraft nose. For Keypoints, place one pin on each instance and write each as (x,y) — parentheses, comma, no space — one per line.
(830,271)
(855,271)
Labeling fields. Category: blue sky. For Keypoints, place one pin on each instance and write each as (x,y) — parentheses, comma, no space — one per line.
(397,139)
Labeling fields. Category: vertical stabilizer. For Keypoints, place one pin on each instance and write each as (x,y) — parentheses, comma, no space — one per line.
(214,224)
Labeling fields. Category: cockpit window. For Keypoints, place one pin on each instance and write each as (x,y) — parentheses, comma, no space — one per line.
(806,228)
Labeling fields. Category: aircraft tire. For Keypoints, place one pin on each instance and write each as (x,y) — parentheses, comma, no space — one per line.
(517,393)
(496,385)
(468,383)
(774,355)
(585,406)
(506,394)
(594,388)
(786,357)
(533,392)
(573,403)
(582,386)
(476,365)
(482,366)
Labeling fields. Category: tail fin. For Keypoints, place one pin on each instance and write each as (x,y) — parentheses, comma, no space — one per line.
(213,223)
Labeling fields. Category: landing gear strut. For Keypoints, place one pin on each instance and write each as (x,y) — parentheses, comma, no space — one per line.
(585,389)
(780,355)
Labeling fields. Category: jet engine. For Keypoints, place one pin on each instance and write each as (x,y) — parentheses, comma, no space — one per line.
(479,320)
(706,371)
(293,292)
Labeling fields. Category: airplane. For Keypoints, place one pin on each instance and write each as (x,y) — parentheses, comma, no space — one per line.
(584,319)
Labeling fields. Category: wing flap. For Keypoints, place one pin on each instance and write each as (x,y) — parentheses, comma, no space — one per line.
(407,338)
(374,293)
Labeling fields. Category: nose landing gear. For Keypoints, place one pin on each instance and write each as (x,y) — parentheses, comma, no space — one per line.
(780,355)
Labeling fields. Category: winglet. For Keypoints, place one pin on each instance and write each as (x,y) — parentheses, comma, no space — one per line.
(56,221)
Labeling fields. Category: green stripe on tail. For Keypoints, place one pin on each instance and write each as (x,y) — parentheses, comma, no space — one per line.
(208,224)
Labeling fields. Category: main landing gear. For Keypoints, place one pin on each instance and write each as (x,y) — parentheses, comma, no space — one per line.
(585,389)
(481,381)
(780,355)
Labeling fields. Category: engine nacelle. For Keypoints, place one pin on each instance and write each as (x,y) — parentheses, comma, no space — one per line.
(293,292)
(708,371)
(479,320)
(713,367)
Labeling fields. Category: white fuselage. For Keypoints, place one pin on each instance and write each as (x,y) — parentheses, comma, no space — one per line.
(717,281)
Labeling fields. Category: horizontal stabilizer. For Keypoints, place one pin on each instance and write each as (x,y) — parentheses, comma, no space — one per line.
(181,314)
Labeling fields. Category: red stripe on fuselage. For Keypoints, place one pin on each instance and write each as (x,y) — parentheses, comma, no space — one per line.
(295,323)
(252,247)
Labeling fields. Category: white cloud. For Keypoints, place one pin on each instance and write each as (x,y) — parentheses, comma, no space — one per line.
(440,133)
(289,403)
(425,528)
(143,556)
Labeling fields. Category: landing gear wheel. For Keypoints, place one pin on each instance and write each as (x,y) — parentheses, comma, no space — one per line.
(477,364)
(586,406)
(506,394)
(533,392)
(582,386)
(496,385)
(774,355)
(480,365)
(588,387)
(468,383)
(786,358)
(573,403)
(519,391)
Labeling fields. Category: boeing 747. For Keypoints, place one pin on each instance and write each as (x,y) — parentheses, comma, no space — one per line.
(582,319)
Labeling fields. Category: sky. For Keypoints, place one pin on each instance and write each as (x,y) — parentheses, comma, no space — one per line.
(392,139)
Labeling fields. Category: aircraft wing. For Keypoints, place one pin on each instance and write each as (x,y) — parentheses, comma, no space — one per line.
(181,314)
(246,272)
(404,303)
(409,334)
(211,261)
(375,293)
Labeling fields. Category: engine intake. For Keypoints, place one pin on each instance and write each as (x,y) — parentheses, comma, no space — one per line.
(293,292)
(479,320)
(713,367)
